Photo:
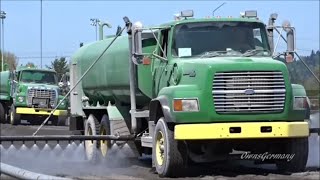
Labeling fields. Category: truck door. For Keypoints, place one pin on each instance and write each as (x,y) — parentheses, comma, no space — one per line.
(160,65)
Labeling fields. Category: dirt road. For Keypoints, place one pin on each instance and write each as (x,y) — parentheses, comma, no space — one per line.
(68,160)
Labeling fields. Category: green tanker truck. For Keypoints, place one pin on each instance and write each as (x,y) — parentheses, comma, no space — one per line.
(192,91)
(30,94)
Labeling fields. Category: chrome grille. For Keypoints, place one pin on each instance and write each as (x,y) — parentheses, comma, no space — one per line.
(42,93)
(251,91)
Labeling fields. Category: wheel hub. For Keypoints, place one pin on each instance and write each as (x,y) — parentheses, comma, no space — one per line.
(89,145)
(104,144)
(160,149)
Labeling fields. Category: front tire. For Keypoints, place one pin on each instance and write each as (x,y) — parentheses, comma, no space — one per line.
(14,117)
(91,146)
(168,160)
(299,147)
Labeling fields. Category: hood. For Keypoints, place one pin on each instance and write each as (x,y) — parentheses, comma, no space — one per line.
(231,61)
(223,64)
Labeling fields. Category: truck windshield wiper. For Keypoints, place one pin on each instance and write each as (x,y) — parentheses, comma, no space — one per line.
(252,52)
(211,53)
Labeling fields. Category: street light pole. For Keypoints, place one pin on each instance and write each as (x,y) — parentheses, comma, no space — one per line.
(95,22)
(41,33)
(2,16)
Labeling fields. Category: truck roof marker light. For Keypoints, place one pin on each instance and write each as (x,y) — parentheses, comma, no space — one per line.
(177,105)
(176,17)
(186,13)
(250,14)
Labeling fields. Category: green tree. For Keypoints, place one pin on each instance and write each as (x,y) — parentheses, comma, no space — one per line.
(60,66)
(31,64)
(301,75)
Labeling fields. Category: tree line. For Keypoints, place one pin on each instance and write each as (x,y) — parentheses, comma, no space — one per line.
(299,74)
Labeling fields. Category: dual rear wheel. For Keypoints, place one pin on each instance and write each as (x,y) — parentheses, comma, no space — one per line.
(97,150)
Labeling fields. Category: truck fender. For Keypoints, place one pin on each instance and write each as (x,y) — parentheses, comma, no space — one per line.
(157,103)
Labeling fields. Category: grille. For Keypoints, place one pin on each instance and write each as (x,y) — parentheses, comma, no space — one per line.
(248,92)
(42,93)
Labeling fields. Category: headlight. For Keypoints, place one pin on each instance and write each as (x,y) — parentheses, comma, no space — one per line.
(62,103)
(188,105)
(20,99)
(300,103)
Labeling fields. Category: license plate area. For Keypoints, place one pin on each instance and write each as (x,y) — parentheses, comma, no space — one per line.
(40,102)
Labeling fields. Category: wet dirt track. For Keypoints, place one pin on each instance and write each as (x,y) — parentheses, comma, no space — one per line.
(68,160)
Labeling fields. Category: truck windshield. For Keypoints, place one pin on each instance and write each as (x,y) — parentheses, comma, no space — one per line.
(209,39)
(38,77)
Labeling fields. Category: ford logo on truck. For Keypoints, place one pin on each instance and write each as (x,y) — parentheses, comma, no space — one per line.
(249,92)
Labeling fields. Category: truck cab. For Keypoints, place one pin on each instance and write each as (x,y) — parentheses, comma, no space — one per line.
(218,80)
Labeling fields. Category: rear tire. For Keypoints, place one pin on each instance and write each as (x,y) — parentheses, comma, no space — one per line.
(14,117)
(300,148)
(167,158)
(2,114)
(92,127)
(105,145)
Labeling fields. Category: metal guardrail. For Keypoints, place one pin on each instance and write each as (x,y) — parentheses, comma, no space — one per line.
(25,174)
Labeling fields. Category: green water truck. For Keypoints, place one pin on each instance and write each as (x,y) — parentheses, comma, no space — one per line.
(29,93)
(192,90)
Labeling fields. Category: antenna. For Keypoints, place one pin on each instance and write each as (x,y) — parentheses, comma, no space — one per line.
(217,8)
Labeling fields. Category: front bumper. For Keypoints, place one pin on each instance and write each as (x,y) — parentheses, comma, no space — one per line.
(243,130)
(35,111)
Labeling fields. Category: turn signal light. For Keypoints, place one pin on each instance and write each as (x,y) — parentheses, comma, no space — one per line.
(177,103)
(146,61)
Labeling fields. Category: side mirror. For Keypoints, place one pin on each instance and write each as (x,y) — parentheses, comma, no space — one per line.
(60,84)
(137,42)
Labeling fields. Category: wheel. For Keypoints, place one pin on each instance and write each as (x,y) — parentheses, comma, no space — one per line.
(14,117)
(299,149)
(92,127)
(2,114)
(105,145)
(168,160)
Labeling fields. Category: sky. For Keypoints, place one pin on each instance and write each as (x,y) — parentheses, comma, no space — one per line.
(67,23)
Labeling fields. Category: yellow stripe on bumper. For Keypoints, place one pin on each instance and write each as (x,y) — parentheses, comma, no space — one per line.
(34,111)
(248,130)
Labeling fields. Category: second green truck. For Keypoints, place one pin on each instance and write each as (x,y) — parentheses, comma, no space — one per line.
(30,94)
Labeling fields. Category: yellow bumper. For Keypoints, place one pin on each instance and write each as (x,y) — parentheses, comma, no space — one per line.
(244,130)
(35,111)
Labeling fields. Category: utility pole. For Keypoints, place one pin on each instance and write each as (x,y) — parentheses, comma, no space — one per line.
(41,34)
(2,16)
(95,22)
